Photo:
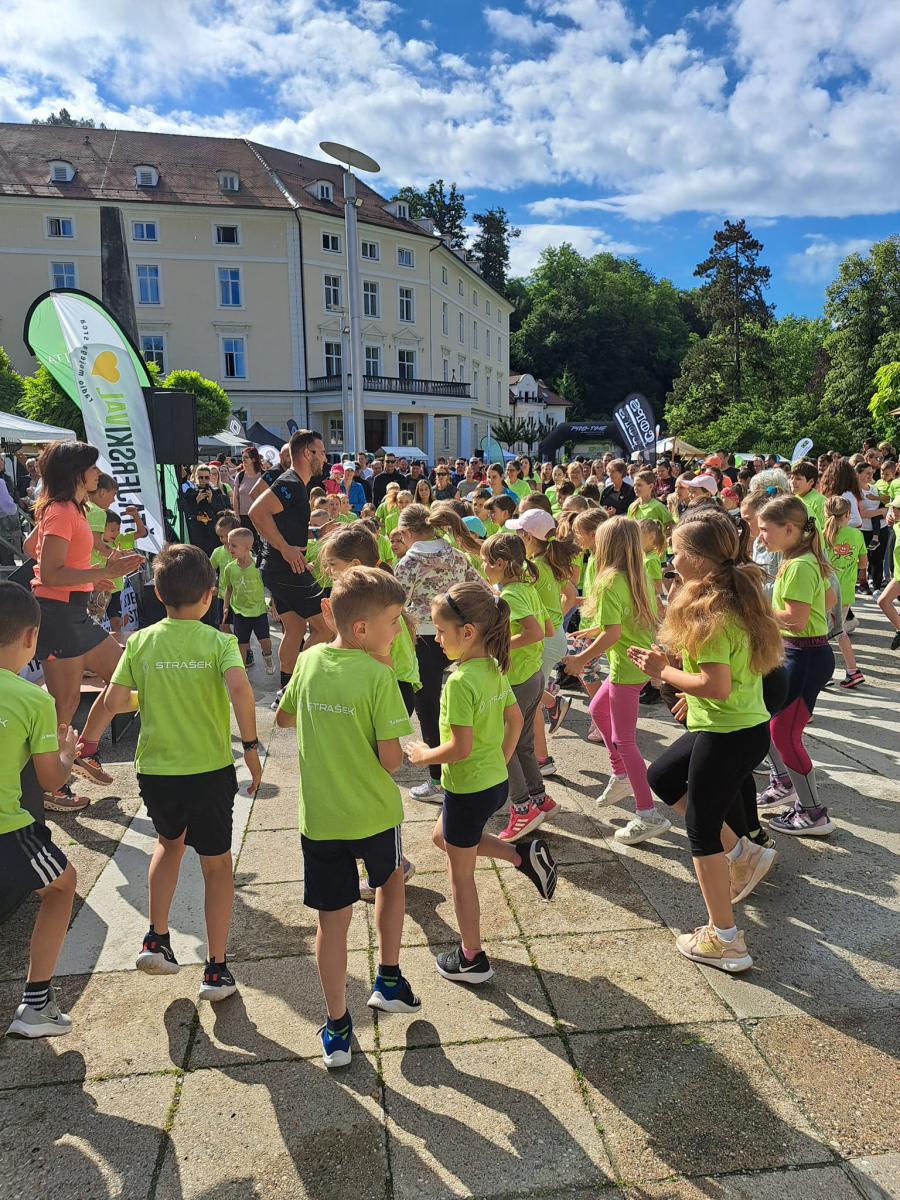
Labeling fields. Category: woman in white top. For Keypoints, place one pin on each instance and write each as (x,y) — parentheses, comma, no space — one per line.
(840,479)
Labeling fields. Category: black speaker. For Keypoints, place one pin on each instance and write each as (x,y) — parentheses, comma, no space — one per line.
(173,421)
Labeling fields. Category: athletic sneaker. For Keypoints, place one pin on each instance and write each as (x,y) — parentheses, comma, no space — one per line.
(90,766)
(779,793)
(649,695)
(615,790)
(705,946)
(895,641)
(156,957)
(522,819)
(250,659)
(760,838)
(547,766)
(556,713)
(766,767)
(218,982)
(453,964)
(811,821)
(367,892)
(537,863)
(277,700)
(64,800)
(643,825)
(747,871)
(428,793)
(851,624)
(594,734)
(397,997)
(37,1023)
(852,679)
(269,660)
(336,1044)
(548,807)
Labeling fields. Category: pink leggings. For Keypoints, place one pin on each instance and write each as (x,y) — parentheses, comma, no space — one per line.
(614,710)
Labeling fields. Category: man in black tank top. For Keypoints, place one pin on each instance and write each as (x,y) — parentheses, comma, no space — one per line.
(281,516)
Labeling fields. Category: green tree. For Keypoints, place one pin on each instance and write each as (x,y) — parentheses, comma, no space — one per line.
(509,430)
(566,385)
(491,246)
(44,400)
(446,208)
(886,401)
(518,294)
(213,405)
(10,384)
(63,117)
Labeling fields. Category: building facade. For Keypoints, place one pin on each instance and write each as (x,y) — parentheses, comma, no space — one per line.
(239,270)
(531,399)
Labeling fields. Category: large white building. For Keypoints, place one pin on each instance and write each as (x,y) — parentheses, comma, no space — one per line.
(239,270)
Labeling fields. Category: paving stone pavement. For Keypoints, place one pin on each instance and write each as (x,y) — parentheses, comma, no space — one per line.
(597,1064)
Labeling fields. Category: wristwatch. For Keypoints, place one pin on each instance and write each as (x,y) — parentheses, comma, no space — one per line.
(254,745)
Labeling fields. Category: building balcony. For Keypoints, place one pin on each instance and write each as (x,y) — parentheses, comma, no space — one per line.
(391,384)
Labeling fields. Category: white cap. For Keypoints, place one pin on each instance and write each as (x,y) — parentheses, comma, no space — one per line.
(534,521)
(708,482)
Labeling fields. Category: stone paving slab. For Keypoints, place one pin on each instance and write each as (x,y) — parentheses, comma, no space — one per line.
(271,919)
(694,1099)
(811,1183)
(487,1120)
(595,897)
(877,1177)
(270,856)
(430,917)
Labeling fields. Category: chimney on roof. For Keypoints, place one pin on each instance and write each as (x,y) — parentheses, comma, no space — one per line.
(87,140)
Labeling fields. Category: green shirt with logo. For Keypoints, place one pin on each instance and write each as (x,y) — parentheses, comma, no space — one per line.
(475,696)
(27,726)
(550,591)
(613,605)
(849,547)
(248,597)
(815,503)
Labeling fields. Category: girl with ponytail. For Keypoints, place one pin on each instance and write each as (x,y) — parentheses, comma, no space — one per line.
(480,726)
(801,599)
(719,625)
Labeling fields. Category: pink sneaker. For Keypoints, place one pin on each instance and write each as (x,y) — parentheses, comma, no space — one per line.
(548,807)
(594,734)
(522,822)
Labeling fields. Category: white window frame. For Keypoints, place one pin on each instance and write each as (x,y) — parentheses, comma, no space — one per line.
(474,297)
(225,176)
(487,307)
(376,246)
(499,349)
(240,283)
(500,393)
(164,351)
(159,286)
(474,335)
(334,357)
(333,240)
(139,169)
(143,224)
(325,191)
(444,276)
(462,372)
(402,252)
(63,263)
(330,287)
(462,287)
(446,433)
(474,385)
(487,342)
(446,370)
(336,428)
(403,368)
(445,318)
(68,171)
(370,309)
(402,211)
(59,237)
(373,354)
(475,443)
(233,337)
(217,225)
(462,328)
(403,301)
(410,430)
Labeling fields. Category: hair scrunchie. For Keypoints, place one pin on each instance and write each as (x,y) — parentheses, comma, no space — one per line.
(551,537)
(810,525)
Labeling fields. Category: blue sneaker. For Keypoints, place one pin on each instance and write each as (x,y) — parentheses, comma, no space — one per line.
(397,997)
(336,1044)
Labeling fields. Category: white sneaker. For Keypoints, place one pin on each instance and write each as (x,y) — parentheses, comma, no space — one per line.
(851,625)
(48,1022)
(277,700)
(615,790)
(429,793)
(643,826)
(269,660)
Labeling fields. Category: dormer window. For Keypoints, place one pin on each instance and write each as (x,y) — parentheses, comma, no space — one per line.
(61,171)
(229,181)
(145,176)
(321,189)
(399,209)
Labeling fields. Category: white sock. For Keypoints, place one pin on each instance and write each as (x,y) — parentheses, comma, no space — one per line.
(735,854)
(727,935)
(624,775)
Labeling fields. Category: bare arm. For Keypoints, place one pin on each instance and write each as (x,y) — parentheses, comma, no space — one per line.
(711,682)
(532,631)
(54,768)
(242,702)
(794,615)
(456,749)
(258,488)
(55,573)
(512,728)
(390,754)
(262,514)
(119,698)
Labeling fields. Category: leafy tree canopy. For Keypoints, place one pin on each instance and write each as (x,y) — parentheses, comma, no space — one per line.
(491,246)
(44,400)
(213,405)
(10,384)
(63,117)
(446,208)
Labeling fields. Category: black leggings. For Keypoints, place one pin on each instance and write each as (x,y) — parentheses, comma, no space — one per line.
(775,689)
(409,696)
(432,664)
(709,768)
(876,555)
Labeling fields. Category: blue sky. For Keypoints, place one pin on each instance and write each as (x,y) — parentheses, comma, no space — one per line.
(634,127)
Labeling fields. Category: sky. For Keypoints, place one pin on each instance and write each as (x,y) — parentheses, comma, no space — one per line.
(630,127)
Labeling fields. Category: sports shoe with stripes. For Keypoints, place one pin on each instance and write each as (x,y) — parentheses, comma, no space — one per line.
(522,819)
(64,800)
(538,865)
(453,964)
(156,957)
(90,767)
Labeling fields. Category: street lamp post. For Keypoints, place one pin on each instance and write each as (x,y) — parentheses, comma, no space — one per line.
(362,162)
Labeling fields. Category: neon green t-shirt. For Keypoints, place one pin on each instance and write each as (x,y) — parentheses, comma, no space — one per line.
(524,601)
(489,528)
(521,488)
(390,520)
(123,541)
(220,558)
(894,488)
(178,669)
(800,579)
(403,656)
(815,503)
(554,502)
(27,726)
(613,605)
(475,696)
(345,702)
(650,510)
(346,518)
(385,553)
(96,517)
(849,547)
(550,591)
(897,559)
(319,574)
(248,597)
(652,565)
(744,707)
(587,575)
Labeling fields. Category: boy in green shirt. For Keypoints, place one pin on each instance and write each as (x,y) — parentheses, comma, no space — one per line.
(804,477)
(350,716)
(180,673)
(29,861)
(244,603)
(220,558)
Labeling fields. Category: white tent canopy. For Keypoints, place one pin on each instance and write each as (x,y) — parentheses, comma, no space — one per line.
(19,429)
(216,441)
(409,452)
(674,445)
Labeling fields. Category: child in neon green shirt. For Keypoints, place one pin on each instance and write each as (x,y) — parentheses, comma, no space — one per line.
(244,601)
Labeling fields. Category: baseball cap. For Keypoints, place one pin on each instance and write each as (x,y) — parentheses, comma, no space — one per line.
(707,482)
(712,461)
(728,493)
(474,525)
(337,470)
(534,521)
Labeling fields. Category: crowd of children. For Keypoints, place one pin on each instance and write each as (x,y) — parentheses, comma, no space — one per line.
(722,597)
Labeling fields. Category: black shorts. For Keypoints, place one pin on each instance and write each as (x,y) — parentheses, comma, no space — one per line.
(29,860)
(243,627)
(199,804)
(114,608)
(298,594)
(330,874)
(467,813)
(67,628)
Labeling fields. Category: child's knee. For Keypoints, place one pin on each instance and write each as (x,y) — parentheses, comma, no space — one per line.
(438,838)
(217,864)
(67,881)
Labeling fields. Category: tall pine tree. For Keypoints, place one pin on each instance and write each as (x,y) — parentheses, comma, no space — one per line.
(446,208)
(491,245)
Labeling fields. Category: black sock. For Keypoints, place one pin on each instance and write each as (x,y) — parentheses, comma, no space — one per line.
(390,975)
(161,937)
(36,994)
(285,678)
(340,1025)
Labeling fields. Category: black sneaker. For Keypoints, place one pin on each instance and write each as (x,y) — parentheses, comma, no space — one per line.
(649,695)
(852,679)
(453,964)
(218,982)
(761,838)
(895,641)
(537,863)
(556,713)
(250,659)
(157,956)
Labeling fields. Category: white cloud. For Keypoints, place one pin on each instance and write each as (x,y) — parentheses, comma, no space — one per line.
(818,263)
(586,239)
(801,118)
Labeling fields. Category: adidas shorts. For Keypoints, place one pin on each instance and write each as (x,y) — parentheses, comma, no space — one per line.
(29,860)
(330,873)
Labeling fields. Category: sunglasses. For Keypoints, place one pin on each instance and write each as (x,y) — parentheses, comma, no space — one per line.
(440,475)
